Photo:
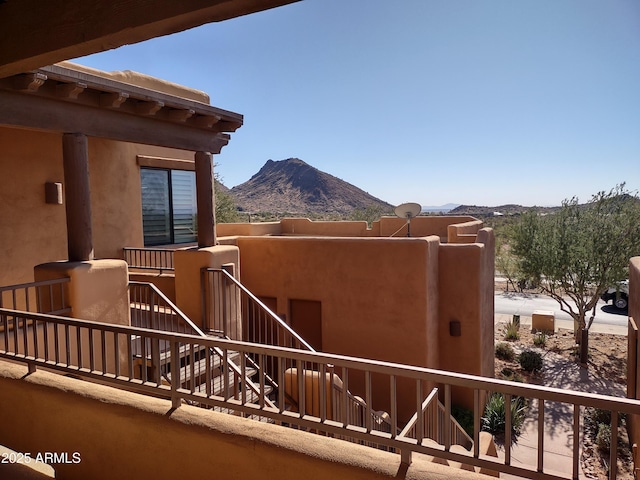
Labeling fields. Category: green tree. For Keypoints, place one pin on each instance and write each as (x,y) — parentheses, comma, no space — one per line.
(507,263)
(369,214)
(577,253)
(226,209)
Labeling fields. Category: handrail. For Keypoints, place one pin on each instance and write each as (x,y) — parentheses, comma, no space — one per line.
(267,321)
(270,316)
(410,427)
(149,258)
(70,339)
(165,308)
(435,429)
(168,311)
(49,296)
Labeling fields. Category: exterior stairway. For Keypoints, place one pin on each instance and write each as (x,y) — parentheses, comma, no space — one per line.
(201,369)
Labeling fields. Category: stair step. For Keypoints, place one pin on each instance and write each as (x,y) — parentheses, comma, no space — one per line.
(184,352)
(218,385)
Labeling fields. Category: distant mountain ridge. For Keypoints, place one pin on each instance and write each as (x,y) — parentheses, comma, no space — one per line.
(293,186)
(447,207)
(509,209)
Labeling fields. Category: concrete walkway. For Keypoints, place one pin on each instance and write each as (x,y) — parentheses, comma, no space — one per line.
(562,373)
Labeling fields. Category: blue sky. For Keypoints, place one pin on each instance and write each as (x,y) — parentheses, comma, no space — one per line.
(469,101)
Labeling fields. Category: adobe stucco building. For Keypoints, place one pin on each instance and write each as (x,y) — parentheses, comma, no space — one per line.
(93,162)
(347,289)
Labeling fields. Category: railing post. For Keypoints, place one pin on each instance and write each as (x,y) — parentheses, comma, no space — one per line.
(175,374)
(155,360)
(205,300)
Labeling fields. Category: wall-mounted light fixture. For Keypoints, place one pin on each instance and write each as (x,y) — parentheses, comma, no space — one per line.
(455,329)
(53,193)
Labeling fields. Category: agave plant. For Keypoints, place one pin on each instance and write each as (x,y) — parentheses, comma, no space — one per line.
(494,419)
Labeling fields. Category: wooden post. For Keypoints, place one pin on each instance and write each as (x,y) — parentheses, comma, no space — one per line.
(205,200)
(77,197)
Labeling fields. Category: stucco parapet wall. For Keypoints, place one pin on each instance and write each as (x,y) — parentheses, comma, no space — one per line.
(385,227)
(97,290)
(51,412)
(144,81)
(465,232)
(248,229)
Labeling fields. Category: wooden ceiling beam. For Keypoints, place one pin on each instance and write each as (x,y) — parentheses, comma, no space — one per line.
(58,30)
(57,115)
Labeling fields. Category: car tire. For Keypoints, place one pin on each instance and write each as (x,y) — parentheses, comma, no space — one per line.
(621,302)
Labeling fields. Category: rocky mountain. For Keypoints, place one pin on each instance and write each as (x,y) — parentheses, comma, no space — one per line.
(510,209)
(295,187)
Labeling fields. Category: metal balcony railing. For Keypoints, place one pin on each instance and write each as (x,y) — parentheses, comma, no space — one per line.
(47,296)
(435,426)
(226,301)
(149,258)
(103,352)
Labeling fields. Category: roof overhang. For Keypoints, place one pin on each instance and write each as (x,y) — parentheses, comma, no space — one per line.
(34,33)
(64,100)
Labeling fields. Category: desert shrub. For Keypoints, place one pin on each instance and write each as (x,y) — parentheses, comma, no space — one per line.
(464,417)
(511,375)
(599,416)
(504,351)
(530,361)
(603,438)
(512,331)
(540,339)
(494,419)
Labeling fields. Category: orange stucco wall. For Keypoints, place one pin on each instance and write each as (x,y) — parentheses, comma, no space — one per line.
(373,291)
(33,231)
(378,296)
(385,227)
(465,287)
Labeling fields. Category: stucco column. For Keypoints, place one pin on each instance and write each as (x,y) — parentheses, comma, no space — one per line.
(77,198)
(205,200)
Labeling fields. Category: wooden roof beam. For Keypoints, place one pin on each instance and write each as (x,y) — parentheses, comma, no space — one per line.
(113,100)
(149,108)
(29,82)
(81,28)
(70,90)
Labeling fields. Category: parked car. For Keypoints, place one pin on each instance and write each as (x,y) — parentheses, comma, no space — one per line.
(619,294)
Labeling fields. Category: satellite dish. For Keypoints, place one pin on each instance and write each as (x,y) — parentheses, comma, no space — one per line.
(408,211)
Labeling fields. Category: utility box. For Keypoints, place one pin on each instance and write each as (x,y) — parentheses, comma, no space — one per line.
(543,321)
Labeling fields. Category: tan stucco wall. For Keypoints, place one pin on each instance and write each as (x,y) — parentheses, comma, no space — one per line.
(188,266)
(378,296)
(420,226)
(97,290)
(116,199)
(466,273)
(384,227)
(34,232)
(304,226)
(124,435)
(464,232)
(235,229)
